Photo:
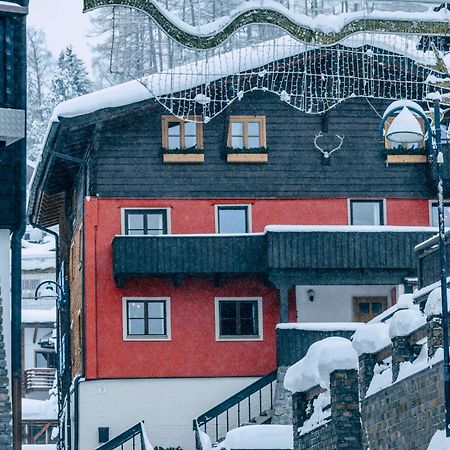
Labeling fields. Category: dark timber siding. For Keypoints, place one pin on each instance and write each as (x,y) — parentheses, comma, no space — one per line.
(390,255)
(12,69)
(129,160)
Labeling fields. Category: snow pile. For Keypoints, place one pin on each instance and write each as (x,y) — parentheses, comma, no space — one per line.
(260,437)
(39,409)
(39,447)
(39,315)
(321,326)
(382,377)
(405,301)
(322,358)
(371,338)
(439,441)
(405,321)
(320,415)
(433,306)
(205,440)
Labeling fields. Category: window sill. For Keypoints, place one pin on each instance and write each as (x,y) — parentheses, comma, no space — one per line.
(238,338)
(247,157)
(146,338)
(406,159)
(183,157)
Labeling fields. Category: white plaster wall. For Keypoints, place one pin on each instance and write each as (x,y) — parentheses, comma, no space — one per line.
(334,303)
(5,284)
(166,405)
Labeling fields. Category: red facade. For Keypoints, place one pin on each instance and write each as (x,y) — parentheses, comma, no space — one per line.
(193,350)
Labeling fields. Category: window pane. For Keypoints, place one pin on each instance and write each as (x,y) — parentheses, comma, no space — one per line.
(253,142)
(237,142)
(155,221)
(190,129)
(434,215)
(190,141)
(174,142)
(228,327)
(232,220)
(237,129)
(253,129)
(248,327)
(228,310)
(136,326)
(136,310)
(156,310)
(248,310)
(366,213)
(156,326)
(174,129)
(364,308)
(135,221)
(135,232)
(377,308)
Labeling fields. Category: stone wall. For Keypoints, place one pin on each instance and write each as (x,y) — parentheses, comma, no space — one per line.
(406,414)
(5,405)
(343,431)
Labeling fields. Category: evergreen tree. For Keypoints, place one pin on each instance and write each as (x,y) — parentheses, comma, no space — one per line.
(71,78)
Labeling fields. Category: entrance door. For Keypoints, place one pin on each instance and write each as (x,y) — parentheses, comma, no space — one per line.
(366,308)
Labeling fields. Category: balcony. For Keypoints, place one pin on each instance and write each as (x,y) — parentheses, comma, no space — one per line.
(39,378)
(297,255)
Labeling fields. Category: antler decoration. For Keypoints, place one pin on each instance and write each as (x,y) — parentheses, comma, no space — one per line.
(327,153)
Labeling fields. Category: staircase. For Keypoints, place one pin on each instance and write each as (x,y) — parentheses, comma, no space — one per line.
(133,438)
(253,405)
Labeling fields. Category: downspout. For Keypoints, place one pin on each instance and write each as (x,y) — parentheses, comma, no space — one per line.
(19,61)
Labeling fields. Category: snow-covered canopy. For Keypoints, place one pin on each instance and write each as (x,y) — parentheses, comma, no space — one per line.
(39,409)
(39,316)
(321,359)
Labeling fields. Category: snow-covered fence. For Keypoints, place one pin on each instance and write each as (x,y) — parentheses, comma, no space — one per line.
(326,397)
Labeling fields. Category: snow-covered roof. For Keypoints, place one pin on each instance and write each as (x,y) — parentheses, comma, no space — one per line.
(38,256)
(39,315)
(211,69)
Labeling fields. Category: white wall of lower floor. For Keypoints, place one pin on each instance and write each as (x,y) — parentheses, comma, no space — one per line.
(335,303)
(5,285)
(167,406)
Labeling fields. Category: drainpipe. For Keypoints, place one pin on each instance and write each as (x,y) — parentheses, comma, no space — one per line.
(18,78)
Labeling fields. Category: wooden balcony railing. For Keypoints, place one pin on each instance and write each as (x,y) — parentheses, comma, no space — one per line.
(39,378)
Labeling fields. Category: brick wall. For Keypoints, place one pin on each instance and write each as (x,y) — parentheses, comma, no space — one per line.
(407,414)
(5,405)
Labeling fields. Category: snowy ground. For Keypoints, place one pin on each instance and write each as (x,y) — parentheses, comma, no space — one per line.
(439,441)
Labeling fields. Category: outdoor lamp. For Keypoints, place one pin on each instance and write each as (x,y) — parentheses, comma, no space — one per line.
(405,128)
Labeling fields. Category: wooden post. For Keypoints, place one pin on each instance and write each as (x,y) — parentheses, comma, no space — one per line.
(284,304)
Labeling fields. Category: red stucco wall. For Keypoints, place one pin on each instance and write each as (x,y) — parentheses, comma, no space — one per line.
(193,350)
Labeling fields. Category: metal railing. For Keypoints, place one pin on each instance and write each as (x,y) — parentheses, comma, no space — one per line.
(131,439)
(39,378)
(239,409)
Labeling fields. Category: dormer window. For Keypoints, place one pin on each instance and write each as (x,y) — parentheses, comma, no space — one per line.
(247,140)
(247,132)
(178,134)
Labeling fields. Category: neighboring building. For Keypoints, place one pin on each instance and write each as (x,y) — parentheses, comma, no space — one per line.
(12,197)
(176,272)
(39,410)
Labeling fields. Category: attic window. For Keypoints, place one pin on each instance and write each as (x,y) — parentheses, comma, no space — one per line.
(247,132)
(178,134)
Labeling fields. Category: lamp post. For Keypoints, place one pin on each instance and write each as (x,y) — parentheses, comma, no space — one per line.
(406,129)
(63,367)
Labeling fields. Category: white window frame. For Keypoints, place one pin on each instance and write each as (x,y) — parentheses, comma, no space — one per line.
(260,336)
(430,209)
(168,210)
(127,337)
(249,215)
(372,199)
